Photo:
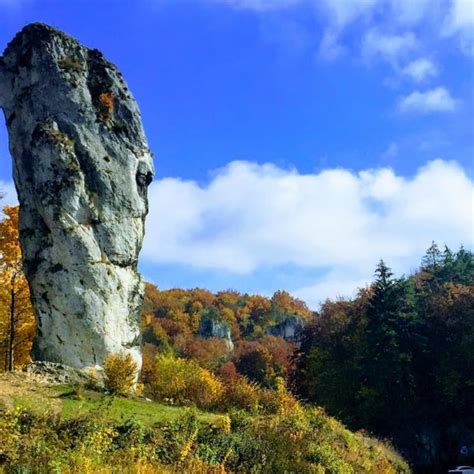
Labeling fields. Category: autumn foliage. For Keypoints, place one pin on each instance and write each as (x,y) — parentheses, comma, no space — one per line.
(208,353)
(180,381)
(106,101)
(17,322)
(172,323)
(120,372)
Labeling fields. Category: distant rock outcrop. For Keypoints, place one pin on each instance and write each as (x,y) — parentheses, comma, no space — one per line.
(81,169)
(289,329)
(212,327)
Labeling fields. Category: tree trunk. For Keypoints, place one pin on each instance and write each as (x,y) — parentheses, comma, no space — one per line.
(11,335)
(5,362)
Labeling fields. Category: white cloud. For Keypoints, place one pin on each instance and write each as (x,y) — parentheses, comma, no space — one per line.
(250,217)
(390,48)
(461,15)
(254,216)
(433,100)
(420,70)
(460,23)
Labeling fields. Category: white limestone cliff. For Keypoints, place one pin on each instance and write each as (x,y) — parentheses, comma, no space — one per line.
(81,166)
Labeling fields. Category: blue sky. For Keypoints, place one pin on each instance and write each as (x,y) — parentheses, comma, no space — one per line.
(296,141)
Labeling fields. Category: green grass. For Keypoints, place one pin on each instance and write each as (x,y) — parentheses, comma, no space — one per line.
(119,409)
(64,399)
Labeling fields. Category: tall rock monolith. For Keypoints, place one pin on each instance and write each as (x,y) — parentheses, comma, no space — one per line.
(81,166)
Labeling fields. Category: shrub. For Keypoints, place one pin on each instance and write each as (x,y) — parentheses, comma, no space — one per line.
(264,360)
(279,401)
(149,352)
(228,373)
(256,364)
(308,442)
(183,382)
(107,102)
(120,373)
(241,394)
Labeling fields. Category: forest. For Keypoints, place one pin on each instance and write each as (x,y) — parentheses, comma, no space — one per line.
(395,362)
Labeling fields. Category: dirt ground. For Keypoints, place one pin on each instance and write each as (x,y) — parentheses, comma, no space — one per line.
(30,388)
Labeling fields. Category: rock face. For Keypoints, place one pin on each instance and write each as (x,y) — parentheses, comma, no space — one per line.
(81,169)
(212,327)
(289,329)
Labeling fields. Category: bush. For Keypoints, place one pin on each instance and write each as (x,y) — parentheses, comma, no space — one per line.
(279,401)
(183,382)
(241,394)
(120,373)
(308,442)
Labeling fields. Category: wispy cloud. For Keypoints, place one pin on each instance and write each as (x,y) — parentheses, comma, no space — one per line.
(420,70)
(390,152)
(388,47)
(411,12)
(447,17)
(330,48)
(343,12)
(433,100)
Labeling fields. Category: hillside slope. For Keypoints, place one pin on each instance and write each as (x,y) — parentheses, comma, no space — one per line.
(48,427)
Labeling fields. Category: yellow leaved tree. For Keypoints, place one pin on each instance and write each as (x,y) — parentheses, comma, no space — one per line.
(17,322)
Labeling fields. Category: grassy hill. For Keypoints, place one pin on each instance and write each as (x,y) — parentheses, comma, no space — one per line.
(18,390)
(59,428)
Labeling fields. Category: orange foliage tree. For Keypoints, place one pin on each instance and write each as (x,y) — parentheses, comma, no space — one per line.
(17,322)
(208,353)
